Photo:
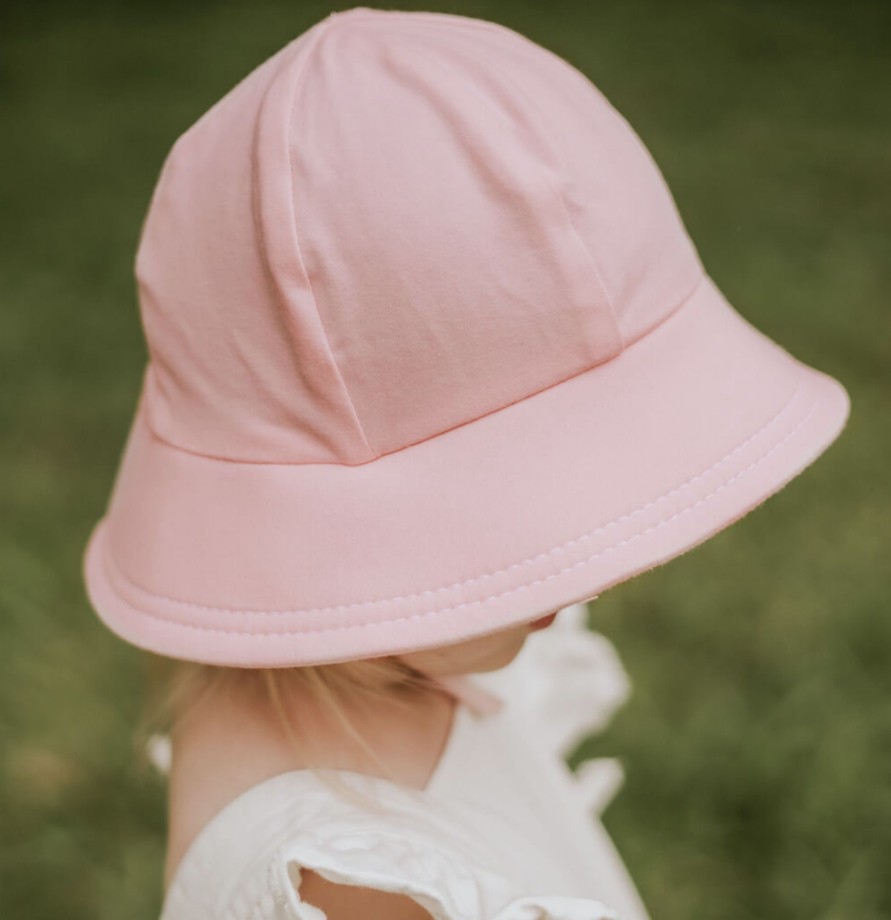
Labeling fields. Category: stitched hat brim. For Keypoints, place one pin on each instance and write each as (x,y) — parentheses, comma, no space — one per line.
(543,503)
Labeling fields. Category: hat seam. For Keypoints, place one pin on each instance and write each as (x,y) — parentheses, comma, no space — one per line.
(297,81)
(112,568)
(556,167)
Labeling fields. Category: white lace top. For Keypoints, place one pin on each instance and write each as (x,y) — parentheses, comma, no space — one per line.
(503,831)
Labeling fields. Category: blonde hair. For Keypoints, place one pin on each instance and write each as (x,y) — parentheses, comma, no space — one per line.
(175,687)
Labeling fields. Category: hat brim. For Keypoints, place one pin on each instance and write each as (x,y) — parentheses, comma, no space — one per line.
(496,522)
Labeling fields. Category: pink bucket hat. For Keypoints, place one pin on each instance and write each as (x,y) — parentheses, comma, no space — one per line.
(431,354)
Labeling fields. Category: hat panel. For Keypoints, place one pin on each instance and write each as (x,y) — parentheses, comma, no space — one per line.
(616,195)
(240,367)
(447,273)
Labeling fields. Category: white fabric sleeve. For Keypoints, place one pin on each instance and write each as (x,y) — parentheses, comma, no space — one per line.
(441,880)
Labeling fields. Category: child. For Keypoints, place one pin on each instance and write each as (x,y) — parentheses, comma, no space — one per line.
(432,359)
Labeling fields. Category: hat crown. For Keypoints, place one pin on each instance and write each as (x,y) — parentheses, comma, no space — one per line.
(397,224)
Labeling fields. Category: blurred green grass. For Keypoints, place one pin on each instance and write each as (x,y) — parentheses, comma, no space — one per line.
(757,743)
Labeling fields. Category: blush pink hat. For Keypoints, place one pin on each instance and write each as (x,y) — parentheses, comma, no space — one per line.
(431,354)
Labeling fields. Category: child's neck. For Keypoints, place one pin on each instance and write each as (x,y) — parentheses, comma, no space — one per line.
(230,742)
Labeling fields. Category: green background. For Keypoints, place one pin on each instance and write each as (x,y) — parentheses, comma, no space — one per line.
(757,743)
